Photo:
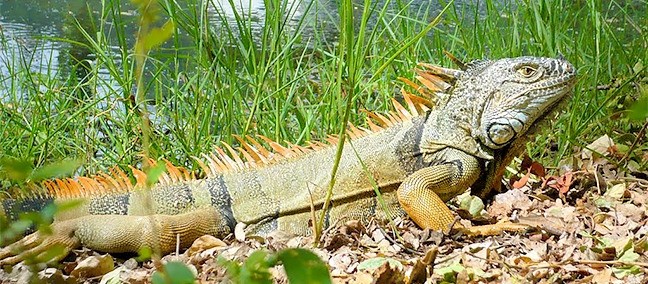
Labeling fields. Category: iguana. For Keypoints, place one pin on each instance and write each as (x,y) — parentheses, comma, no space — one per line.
(419,157)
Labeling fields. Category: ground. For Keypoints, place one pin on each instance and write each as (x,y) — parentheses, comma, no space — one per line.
(587,224)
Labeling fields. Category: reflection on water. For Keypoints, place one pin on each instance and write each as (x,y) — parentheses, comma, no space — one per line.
(22,46)
(253,10)
(313,20)
(35,38)
(35,32)
(37,35)
(26,26)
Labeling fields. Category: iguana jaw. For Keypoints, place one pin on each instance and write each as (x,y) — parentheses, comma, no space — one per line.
(490,180)
(493,173)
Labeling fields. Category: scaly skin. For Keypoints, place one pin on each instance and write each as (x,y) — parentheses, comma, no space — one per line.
(419,160)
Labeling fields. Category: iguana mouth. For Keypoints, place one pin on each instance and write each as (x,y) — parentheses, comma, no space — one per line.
(557,88)
(564,84)
(564,91)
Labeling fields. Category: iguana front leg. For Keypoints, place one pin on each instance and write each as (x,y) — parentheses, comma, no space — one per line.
(120,233)
(423,194)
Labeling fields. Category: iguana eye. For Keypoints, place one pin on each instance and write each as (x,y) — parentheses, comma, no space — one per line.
(527,71)
(500,134)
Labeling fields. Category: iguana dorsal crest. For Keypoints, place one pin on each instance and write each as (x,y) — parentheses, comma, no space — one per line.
(433,84)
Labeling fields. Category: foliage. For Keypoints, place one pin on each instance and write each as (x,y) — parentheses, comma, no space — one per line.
(638,111)
(23,172)
(301,266)
(147,39)
(173,273)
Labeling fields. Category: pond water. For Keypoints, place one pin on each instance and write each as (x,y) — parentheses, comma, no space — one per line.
(37,33)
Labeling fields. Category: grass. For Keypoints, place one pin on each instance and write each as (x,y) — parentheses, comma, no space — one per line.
(291,82)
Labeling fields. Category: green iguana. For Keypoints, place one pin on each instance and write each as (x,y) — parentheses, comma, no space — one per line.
(419,158)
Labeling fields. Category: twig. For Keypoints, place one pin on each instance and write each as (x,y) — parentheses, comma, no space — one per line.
(642,182)
(500,262)
(612,262)
(177,244)
(560,264)
(393,241)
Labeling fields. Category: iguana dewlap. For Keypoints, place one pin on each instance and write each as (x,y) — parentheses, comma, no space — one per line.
(420,158)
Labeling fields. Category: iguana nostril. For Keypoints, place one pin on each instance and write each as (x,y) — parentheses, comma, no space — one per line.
(569,68)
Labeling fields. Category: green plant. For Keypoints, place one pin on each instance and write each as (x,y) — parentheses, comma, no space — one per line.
(301,266)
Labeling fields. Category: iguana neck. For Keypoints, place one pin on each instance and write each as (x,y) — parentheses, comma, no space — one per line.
(456,118)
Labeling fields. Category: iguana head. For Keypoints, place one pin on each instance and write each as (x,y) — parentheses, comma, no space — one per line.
(507,96)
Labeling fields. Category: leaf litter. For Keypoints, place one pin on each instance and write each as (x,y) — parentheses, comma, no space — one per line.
(587,224)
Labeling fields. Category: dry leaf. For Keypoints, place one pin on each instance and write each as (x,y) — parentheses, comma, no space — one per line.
(204,243)
(601,146)
(386,274)
(94,266)
(50,275)
(522,181)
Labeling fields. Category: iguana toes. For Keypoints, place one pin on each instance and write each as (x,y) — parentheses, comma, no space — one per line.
(419,158)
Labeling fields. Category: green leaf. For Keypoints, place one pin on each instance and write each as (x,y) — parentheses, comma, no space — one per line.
(158,278)
(629,256)
(617,191)
(255,269)
(303,266)
(233,268)
(37,219)
(17,170)
(449,271)
(20,225)
(64,205)
(473,204)
(48,212)
(141,2)
(373,263)
(639,110)
(144,253)
(13,230)
(154,173)
(622,272)
(174,272)
(603,203)
(56,169)
(157,36)
(51,253)
(179,273)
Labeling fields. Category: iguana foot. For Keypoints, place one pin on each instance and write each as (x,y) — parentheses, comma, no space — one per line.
(37,247)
